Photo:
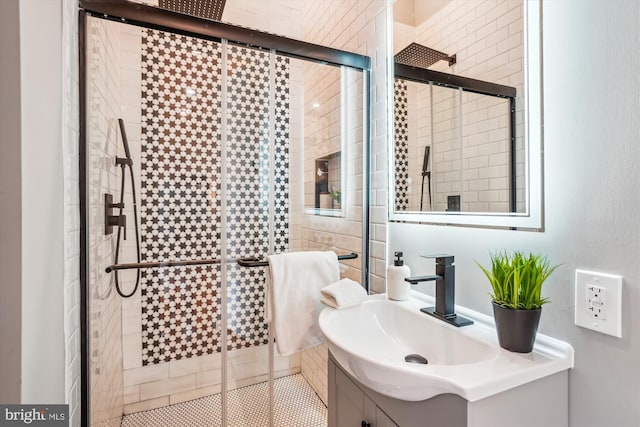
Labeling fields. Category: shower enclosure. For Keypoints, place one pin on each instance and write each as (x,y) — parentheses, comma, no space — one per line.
(456,147)
(221,128)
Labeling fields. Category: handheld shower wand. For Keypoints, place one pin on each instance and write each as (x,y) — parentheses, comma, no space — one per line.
(120,219)
(426,173)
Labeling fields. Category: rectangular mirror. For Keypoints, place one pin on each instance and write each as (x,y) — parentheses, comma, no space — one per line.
(467,139)
(331,123)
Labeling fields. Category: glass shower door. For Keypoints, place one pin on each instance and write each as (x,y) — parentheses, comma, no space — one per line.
(283,116)
(446,126)
(224,143)
(248,223)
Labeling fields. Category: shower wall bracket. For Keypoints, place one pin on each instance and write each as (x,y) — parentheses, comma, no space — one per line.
(111,220)
(123,161)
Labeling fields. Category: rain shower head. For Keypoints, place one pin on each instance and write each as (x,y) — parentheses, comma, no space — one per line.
(208,9)
(417,55)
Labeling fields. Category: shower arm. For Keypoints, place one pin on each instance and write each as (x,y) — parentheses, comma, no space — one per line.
(244,262)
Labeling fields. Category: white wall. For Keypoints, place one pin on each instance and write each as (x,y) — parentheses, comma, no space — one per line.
(48,246)
(43,381)
(592,95)
(10,207)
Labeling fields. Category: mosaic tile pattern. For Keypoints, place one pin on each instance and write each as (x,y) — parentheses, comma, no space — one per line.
(296,404)
(182,184)
(282,102)
(401,150)
(180,215)
(248,167)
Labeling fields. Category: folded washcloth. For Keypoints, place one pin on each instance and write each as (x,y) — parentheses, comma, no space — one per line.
(293,286)
(343,294)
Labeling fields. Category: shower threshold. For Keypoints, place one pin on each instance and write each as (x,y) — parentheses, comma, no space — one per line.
(296,404)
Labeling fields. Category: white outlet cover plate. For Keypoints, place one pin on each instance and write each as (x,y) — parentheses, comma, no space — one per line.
(612,323)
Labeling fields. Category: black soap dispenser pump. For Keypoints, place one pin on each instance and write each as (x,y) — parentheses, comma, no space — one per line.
(397,288)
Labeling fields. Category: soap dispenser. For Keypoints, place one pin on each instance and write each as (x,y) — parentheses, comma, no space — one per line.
(397,288)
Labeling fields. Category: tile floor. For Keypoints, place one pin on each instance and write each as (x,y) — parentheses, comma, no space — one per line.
(296,404)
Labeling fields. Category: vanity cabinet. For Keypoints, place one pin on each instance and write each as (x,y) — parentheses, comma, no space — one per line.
(351,404)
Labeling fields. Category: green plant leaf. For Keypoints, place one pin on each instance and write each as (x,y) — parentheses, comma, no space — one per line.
(516,280)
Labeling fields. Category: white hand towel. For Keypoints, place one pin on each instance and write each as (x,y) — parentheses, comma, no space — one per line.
(344,293)
(294,296)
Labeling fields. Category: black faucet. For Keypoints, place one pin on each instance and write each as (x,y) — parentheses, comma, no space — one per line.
(445,291)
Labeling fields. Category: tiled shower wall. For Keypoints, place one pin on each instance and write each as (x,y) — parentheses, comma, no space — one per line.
(70,136)
(182,185)
(403,196)
(171,340)
(483,153)
(105,319)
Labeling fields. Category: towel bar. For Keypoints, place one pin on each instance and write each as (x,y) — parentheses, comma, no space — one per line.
(244,262)
(255,262)
(142,265)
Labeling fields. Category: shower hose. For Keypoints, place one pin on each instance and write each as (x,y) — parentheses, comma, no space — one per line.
(123,163)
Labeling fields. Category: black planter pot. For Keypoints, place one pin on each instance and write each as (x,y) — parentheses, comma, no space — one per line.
(516,328)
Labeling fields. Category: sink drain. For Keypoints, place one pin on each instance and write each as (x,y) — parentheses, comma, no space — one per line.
(416,358)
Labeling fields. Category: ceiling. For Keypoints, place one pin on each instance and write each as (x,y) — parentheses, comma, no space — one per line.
(415,12)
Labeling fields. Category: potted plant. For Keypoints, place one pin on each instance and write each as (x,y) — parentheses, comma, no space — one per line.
(516,281)
(336,196)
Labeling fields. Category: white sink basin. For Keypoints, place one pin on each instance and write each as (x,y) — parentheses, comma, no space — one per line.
(371,341)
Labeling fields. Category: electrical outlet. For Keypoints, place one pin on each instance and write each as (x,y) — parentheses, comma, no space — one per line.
(599,302)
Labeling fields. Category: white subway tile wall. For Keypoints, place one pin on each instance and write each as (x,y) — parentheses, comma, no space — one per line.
(103,108)
(70,137)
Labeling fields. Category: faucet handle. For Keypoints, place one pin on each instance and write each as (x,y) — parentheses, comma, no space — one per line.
(444,259)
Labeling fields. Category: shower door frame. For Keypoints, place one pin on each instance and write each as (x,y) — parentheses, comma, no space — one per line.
(482,87)
(145,16)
